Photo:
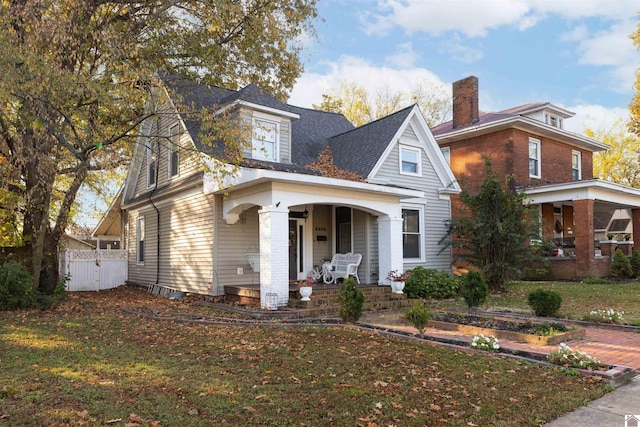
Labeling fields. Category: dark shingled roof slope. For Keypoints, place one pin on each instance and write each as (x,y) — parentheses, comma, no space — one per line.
(354,149)
(360,149)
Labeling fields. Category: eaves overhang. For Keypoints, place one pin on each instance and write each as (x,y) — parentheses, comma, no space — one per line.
(526,124)
(248,177)
(594,189)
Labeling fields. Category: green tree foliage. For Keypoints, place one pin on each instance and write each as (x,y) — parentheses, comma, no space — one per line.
(621,162)
(474,289)
(635,263)
(351,300)
(76,76)
(634,107)
(493,230)
(360,106)
(621,266)
(544,303)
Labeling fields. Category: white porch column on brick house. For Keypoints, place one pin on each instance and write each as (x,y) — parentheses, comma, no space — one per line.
(274,255)
(389,246)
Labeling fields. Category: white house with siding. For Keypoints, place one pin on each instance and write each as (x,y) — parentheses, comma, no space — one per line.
(386,195)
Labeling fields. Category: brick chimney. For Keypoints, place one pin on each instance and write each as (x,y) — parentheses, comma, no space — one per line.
(465,101)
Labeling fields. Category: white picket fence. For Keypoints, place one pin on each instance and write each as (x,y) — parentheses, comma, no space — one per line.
(94,270)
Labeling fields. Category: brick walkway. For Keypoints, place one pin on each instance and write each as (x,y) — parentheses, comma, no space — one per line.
(609,346)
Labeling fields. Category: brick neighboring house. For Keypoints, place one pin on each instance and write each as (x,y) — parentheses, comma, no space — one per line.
(309,185)
(552,166)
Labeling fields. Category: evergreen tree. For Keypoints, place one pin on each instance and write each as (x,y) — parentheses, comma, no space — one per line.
(493,231)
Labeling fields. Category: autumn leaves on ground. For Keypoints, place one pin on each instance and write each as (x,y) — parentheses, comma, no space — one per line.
(89,363)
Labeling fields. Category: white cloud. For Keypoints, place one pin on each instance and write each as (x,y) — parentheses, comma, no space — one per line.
(575,35)
(475,18)
(590,116)
(459,51)
(404,57)
(310,86)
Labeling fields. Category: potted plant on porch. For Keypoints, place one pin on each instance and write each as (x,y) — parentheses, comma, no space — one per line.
(305,287)
(397,280)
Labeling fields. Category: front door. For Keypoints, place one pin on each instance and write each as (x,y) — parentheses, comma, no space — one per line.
(296,252)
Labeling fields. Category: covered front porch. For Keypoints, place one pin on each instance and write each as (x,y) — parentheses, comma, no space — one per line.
(577,217)
(289,227)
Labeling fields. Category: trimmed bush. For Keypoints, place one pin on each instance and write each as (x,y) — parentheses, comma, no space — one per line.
(635,264)
(474,289)
(16,287)
(418,315)
(544,303)
(621,266)
(429,283)
(351,300)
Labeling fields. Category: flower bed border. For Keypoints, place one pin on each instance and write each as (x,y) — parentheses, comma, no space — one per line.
(575,334)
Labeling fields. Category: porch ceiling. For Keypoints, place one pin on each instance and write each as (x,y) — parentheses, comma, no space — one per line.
(603,193)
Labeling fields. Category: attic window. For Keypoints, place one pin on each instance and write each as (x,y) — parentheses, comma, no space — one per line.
(264,141)
(552,120)
(173,151)
(410,161)
(152,163)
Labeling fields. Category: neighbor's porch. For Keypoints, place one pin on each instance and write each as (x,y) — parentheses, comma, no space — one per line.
(577,217)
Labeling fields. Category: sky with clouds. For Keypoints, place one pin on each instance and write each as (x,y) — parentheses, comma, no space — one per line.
(573,53)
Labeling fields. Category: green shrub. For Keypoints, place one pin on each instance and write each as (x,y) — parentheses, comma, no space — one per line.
(16,287)
(429,283)
(418,315)
(635,263)
(544,303)
(621,266)
(351,300)
(474,289)
(596,281)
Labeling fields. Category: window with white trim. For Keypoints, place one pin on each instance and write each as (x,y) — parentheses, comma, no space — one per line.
(140,240)
(576,165)
(411,234)
(410,161)
(446,152)
(152,164)
(173,151)
(264,141)
(534,158)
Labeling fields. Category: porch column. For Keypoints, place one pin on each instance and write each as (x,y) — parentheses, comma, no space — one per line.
(584,234)
(389,247)
(635,224)
(274,255)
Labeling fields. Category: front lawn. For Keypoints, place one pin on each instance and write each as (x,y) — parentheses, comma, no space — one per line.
(578,298)
(88,363)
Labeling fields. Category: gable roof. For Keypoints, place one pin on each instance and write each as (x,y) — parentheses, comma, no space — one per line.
(360,149)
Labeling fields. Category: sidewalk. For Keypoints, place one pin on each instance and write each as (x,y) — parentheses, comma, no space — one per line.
(609,410)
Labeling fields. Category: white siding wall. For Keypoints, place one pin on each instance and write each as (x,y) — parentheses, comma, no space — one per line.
(235,241)
(436,210)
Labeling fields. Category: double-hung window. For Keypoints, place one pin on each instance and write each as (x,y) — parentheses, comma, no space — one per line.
(173,151)
(534,158)
(576,165)
(410,161)
(152,164)
(264,141)
(140,240)
(446,152)
(411,234)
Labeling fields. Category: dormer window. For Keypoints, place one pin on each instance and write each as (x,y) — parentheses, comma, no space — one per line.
(264,141)
(552,120)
